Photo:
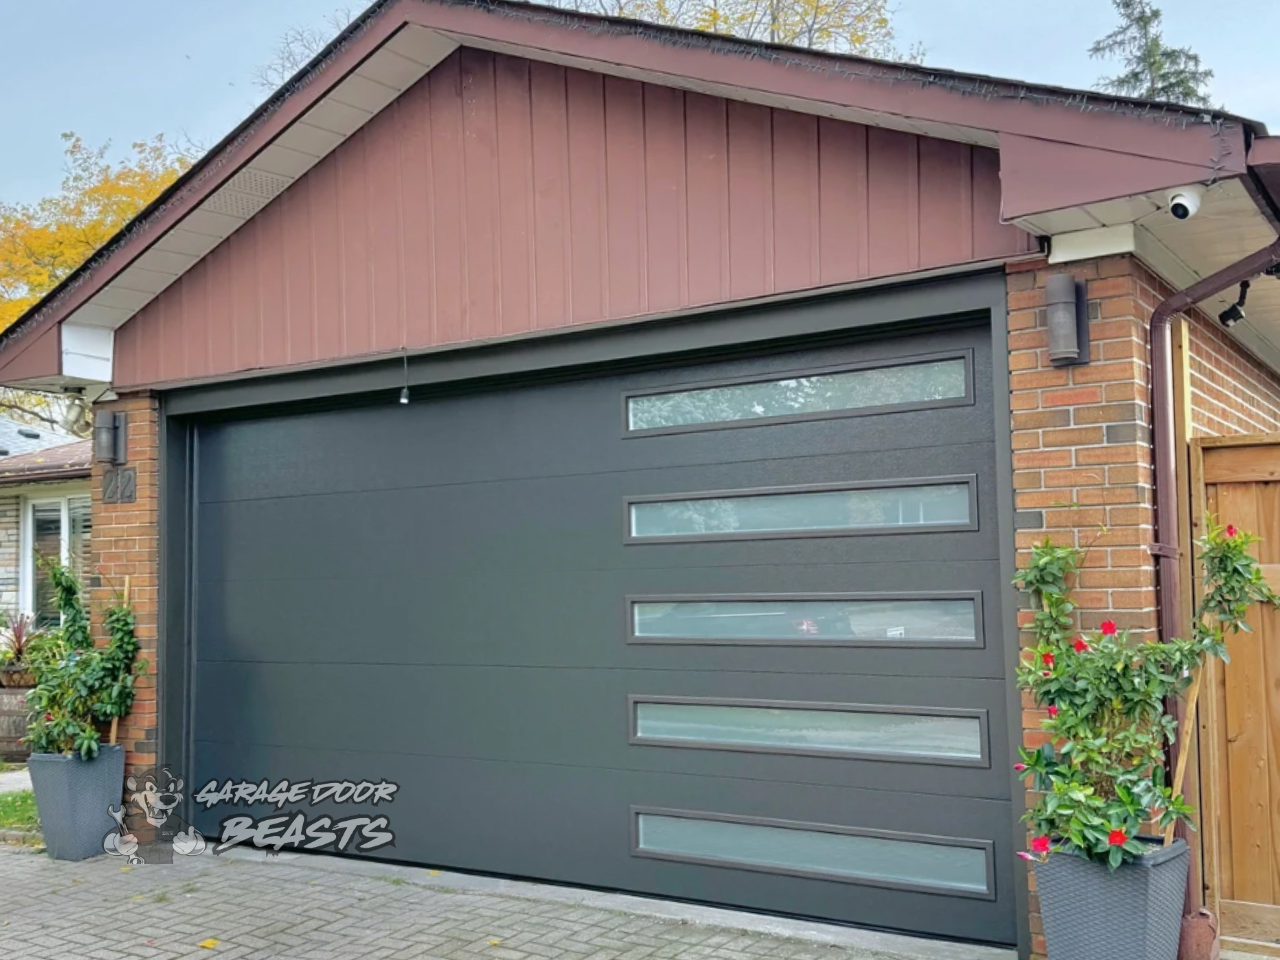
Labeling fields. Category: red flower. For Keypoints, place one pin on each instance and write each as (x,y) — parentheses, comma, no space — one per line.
(1108,628)
(1020,767)
(1053,711)
(1080,646)
(1039,844)
(1231,530)
(1046,674)
(1118,838)
(1047,658)
(48,716)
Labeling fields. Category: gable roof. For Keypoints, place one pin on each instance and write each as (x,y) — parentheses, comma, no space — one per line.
(1120,143)
(68,461)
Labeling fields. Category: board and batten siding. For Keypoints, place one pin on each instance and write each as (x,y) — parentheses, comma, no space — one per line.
(501,196)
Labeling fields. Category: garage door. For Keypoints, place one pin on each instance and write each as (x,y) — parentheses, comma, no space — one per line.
(720,630)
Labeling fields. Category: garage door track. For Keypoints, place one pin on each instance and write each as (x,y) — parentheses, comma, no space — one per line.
(314,908)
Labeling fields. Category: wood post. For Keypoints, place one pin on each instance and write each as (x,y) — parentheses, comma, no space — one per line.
(1184,742)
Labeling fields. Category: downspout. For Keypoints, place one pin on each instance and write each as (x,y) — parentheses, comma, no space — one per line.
(1160,343)
(1166,549)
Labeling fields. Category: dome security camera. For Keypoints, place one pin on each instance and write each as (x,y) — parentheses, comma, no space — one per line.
(1184,202)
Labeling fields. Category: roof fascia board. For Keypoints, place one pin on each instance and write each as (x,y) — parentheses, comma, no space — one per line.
(1039,176)
(545,33)
(1264,150)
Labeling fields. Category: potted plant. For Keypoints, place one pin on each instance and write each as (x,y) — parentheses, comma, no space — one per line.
(1105,888)
(16,637)
(79,688)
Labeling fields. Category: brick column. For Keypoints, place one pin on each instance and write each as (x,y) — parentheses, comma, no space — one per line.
(125,544)
(1082,454)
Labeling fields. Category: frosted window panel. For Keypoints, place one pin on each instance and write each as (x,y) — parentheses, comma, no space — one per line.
(903,385)
(836,855)
(809,621)
(904,735)
(863,509)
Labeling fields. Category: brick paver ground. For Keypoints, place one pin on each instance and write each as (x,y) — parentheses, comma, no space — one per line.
(313,908)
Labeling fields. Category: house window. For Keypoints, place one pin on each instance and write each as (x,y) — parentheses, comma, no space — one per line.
(58,530)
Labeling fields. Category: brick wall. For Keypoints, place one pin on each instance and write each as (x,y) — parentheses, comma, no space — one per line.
(1232,391)
(10,548)
(1081,439)
(126,550)
(1082,455)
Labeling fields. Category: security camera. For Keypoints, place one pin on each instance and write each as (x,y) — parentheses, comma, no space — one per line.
(1184,202)
(1235,313)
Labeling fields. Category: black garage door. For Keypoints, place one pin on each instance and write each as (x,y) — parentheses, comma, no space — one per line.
(722,630)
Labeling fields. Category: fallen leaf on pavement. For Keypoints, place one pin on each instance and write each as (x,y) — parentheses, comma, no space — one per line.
(208,944)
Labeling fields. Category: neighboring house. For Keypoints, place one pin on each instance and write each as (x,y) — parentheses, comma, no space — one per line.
(685,569)
(44,511)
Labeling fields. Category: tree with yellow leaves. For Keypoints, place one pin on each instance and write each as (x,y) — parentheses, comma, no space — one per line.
(42,243)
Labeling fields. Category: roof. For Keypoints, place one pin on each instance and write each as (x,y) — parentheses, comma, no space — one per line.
(69,461)
(17,438)
(395,42)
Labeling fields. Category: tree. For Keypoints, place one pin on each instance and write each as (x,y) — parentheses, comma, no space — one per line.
(1153,70)
(296,47)
(842,26)
(42,243)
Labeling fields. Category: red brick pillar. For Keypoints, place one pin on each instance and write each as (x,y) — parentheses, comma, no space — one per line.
(125,543)
(1082,451)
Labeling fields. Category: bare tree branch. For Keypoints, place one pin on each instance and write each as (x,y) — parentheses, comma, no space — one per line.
(297,46)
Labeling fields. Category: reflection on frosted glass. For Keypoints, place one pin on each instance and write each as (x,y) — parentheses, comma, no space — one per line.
(809,621)
(838,855)
(837,731)
(823,393)
(945,504)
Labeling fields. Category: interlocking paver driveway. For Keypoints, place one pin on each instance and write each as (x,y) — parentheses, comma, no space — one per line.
(313,908)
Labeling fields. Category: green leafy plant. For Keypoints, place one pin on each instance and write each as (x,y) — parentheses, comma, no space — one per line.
(80,686)
(1102,774)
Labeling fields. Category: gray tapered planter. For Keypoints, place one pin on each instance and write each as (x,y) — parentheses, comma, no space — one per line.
(1135,913)
(72,796)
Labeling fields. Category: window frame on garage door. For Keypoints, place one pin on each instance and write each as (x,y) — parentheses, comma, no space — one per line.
(571,354)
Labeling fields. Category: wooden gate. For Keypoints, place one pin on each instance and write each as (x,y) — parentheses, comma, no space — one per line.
(1239,483)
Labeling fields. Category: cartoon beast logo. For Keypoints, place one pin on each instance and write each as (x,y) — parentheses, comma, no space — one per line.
(148,829)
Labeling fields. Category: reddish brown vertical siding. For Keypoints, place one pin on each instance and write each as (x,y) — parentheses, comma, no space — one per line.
(499,196)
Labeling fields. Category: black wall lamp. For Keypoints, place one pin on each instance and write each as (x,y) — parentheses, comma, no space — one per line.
(110,437)
(1067,316)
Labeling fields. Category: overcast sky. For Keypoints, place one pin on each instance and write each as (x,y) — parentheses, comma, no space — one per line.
(128,70)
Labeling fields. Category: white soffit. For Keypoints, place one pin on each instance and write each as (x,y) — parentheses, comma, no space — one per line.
(1228,227)
(397,65)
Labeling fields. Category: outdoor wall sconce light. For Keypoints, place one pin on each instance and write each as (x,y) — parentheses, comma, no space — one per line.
(110,436)
(1067,315)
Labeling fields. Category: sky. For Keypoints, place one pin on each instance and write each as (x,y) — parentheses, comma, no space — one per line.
(125,70)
